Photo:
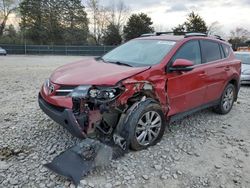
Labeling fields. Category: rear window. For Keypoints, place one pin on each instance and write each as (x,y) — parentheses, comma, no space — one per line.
(226,49)
(210,51)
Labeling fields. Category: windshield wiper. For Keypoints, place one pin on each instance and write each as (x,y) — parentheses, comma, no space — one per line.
(113,62)
(100,59)
(120,63)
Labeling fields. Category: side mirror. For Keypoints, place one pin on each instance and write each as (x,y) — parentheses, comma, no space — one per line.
(182,65)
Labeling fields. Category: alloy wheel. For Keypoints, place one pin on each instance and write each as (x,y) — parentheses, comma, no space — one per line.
(228,99)
(148,128)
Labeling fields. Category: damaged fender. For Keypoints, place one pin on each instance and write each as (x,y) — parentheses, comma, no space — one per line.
(156,87)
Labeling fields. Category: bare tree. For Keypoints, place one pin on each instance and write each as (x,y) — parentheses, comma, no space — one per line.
(7,7)
(240,33)
(116,13)
(98,19)
(119,13)
(215,29)
(239,36)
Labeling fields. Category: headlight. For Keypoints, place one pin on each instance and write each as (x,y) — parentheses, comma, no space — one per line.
(80,92)
(47,83)
(104,93)
(100,93)
(49,86)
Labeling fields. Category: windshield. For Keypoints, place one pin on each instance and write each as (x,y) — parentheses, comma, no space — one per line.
(139,53)
(245,58)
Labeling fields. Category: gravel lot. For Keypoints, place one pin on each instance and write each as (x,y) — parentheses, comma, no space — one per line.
(203,150)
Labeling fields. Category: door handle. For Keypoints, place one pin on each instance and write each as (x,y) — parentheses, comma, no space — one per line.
(202,74)
(227,68)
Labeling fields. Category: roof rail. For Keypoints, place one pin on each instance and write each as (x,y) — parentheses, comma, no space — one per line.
(148,35)
(164,33)
(219,37)
(186,34)
(195,34)
(156,34)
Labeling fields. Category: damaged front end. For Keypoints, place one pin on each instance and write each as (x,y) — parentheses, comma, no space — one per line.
(102,114)
(96,112)
(96,108)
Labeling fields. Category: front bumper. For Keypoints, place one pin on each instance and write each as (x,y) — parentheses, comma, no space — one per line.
(64,117)
(245,79)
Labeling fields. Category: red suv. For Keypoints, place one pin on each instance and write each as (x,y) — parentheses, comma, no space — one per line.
(133,92)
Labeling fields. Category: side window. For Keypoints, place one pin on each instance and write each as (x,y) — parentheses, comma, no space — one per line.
(210,51)
(222,52)
(190,51)
(226,49)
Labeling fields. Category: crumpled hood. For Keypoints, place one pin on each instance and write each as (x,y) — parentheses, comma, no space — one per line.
(92,72)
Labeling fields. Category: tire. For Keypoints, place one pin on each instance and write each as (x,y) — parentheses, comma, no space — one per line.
(144,132)
(227,100)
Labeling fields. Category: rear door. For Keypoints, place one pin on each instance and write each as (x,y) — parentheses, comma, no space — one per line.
(186,90)
(216,68)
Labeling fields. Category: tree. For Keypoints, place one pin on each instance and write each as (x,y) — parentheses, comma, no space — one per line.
(194,23)
(118,13)
(99,20)
(238,37)
(179,30)
(7,7)
(137,25)
(32,23)
(215,29)
(54,22)
(75,22)
(10,36)
(112,35)
(11,31)
(101,17)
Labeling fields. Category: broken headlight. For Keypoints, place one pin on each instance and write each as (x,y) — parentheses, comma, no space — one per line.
(80,92)
(104,93)
(99,93)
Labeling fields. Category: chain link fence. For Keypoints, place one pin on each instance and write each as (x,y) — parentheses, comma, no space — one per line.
(57,50)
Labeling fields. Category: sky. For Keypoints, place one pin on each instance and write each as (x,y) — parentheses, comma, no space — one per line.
(167,14)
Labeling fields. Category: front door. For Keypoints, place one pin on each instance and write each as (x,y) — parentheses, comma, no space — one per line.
(186,90)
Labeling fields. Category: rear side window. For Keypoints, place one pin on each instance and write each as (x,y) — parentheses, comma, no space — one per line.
(226,49)
(190,51)
(210,51)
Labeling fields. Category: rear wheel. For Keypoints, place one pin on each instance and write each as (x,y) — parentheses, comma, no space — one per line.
(227,100)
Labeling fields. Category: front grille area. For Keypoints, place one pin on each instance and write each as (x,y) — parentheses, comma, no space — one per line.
(64,90)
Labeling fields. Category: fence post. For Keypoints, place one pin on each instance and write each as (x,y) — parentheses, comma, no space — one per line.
(25,48)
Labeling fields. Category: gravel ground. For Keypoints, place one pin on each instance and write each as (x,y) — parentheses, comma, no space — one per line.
(203,150)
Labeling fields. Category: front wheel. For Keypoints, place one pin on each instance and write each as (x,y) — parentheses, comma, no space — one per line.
(147,125)
(227,100)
